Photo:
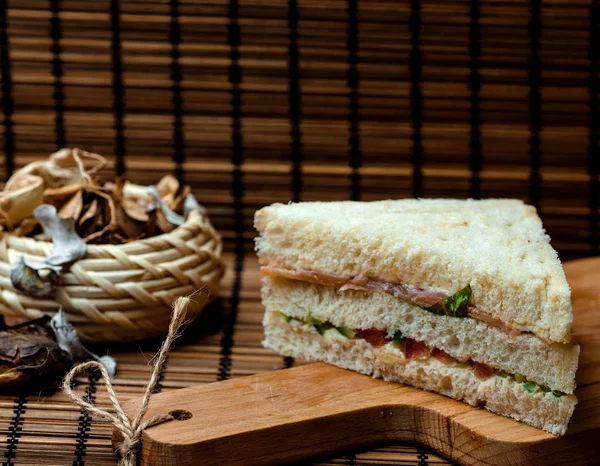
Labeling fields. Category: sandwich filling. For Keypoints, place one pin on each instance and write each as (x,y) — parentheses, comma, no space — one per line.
(435,301)
(412,349)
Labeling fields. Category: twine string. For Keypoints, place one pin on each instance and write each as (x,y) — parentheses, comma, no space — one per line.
(131,431)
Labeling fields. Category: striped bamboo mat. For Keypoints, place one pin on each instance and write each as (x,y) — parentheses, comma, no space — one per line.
(318,100)
(47,429)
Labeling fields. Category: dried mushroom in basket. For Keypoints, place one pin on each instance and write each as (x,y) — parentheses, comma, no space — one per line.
(64,192)
(39,278)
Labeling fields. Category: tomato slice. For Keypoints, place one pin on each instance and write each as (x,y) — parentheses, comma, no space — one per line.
(442,356)
(482,372)
(376,337)
(414,349)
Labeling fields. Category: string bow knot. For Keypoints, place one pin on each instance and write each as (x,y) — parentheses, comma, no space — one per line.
(131,431)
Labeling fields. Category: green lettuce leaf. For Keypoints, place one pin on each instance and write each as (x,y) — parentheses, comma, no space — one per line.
(531,387)
(323,327)
(319,325)
(398,336)
(312,320)
(453,306)
(398,339)
(347,332)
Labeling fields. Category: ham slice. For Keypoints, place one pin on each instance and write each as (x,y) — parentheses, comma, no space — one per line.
(317,278)
(479,314)
(417,296)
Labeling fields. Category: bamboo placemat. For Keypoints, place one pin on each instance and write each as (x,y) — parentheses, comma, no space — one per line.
(318,99)
(47,429)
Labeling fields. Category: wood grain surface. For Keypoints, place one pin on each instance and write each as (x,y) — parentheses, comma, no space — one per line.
(313,410)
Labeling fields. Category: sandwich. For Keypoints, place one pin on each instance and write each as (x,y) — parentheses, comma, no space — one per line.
(464,298)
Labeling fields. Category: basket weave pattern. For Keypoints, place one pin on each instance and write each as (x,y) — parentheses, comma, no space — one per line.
(123,292)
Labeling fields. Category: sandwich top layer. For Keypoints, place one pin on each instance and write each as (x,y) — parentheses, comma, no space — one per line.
(498,247)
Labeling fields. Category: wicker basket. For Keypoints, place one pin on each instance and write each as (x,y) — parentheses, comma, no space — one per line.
(123,292)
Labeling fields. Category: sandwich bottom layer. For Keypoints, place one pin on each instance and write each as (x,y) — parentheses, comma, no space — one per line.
(497,394)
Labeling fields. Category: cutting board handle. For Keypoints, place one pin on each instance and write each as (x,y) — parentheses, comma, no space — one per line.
(316,410)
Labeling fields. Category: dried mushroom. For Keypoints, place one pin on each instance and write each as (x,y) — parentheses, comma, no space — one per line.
(39,278)
(68,341)
(63,168)
(36,279)
(29,353)
(20,202)
(60,199)
(39,352)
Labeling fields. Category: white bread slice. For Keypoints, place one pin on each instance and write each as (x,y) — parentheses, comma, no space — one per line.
(498,246)
(551,365)
(500,395)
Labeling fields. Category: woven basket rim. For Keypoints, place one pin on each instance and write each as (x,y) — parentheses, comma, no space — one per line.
(193,217)
(123,292)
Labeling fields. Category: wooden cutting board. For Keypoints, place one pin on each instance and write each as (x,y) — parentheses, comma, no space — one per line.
(315,410)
